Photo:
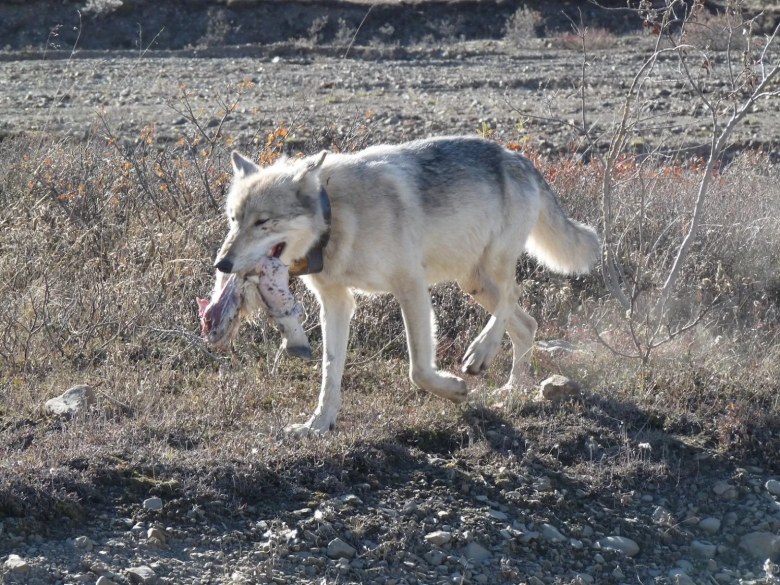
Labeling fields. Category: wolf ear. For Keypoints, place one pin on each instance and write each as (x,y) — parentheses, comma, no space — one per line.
(310,165)
(242,166)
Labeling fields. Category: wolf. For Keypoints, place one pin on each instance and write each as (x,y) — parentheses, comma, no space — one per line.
(397,219)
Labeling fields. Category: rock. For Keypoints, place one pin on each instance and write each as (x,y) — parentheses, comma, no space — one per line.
(434,557)
(338,549)
(662,516)
(141,574)
(680,577)
(104,581)
(157,534)
(153,503)
(497,515)
(476,552)
(16,564)
(438,537)
(761,545)
(773,487)
(710,525)
(73,401)
(551,533)
(724,490)
(620,544)
(83,542)
(704,550)
(557,387)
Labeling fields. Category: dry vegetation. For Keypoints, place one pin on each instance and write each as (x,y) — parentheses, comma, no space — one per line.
(105,245)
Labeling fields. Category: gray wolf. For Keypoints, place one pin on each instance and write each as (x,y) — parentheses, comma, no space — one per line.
(404,217)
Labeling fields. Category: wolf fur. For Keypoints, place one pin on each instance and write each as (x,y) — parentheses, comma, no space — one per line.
(404,217)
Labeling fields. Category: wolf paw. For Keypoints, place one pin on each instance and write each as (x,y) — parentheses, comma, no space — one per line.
(311,428)
(442,384)
(298,351)
(479,356)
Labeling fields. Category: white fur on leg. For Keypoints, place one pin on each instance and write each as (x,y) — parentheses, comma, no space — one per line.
(336,308)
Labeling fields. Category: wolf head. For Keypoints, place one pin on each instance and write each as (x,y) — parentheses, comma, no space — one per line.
(273,211)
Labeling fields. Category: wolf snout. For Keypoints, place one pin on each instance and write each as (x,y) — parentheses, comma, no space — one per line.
(224,265)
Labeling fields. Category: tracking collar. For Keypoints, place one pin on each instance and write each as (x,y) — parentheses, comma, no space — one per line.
(312,262)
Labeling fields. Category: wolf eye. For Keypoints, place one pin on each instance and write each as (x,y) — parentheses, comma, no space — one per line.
(260,222)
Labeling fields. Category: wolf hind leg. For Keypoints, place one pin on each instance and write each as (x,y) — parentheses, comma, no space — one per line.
(498,294)
(417,313)
(497,297)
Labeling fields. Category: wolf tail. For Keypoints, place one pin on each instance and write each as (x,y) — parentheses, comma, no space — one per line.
(560,243)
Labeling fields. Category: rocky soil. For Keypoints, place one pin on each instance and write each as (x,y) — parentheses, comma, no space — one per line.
(486,508)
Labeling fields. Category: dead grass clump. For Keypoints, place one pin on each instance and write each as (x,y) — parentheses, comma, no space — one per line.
(593,39)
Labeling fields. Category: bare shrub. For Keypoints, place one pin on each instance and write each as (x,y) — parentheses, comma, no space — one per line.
(523,25)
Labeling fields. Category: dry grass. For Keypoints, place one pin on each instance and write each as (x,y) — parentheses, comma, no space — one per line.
(105,247)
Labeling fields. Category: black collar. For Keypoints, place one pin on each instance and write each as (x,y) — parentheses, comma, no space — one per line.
(312,262)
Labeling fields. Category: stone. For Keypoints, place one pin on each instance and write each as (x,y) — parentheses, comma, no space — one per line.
(557,388)
(104,581)
(16,564)
(551,533)
(434,557)
(497,515)
(438,537)
(725,490)
(704,550)
(710,525)
(153,504)
(75,400)
(338,549)
(773,487)
(158,534)
(84,542)
(761,545)
(141,574)
(679,577)
(662,516)
(620,544)
(476,552)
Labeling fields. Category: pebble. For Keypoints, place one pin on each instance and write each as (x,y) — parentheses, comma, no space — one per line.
(73,401)
(761,545)
(679,577)
(155,533)
(141,574)
(438,537)
(16,564)
(620,544)
(662,516)
(434,557)
(710,525)
(497,515)
(338,549)
(725,490)
(773,487)
(476,552)
(552,534)
(153,503)
(557,388)
(703,549)
(84,542)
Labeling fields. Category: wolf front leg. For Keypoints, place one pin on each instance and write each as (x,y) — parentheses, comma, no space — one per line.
(336,307)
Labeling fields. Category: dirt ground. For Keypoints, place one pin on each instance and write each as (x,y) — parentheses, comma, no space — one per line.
(438,68)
